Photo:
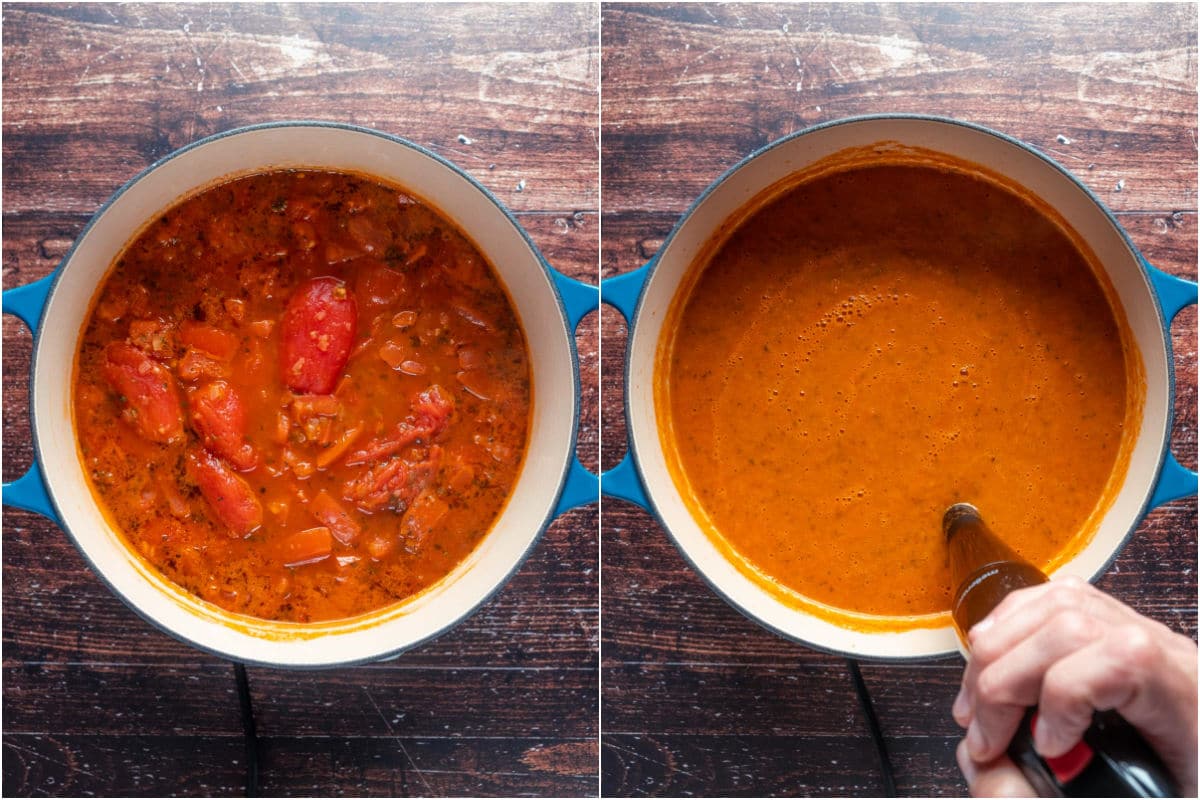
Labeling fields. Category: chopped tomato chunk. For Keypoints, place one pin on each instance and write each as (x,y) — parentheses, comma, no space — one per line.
(148,392)
(430,413)
(219,418)
(155,336)
(422,517)
(305,547)
(315,405)
(317,331)
(380,486)
(231,498)
(433,407)
(196,365)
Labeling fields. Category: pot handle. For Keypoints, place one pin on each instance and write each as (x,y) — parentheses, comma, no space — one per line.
(581,487)
(29,490)
(622,292)
(1174,480)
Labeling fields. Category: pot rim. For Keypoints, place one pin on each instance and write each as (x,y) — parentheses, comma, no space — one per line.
(651,267)
(562,478)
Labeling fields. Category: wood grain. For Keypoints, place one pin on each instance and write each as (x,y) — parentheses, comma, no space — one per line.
(697,699)
(96,701)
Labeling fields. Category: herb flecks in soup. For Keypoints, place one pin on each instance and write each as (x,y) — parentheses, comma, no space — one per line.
(872,346)
(302,395)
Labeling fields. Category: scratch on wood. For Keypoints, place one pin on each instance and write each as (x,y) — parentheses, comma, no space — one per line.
(395,737)
(64,764)
(648,760)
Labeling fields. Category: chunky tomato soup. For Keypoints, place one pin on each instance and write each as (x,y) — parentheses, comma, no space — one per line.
(302,395)
(872,344)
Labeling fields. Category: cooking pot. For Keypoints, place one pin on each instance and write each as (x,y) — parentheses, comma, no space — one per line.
(549,305)
(1150,298)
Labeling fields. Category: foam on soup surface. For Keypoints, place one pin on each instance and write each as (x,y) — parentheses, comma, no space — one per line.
(873,344)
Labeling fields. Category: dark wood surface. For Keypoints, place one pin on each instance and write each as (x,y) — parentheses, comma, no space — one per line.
(98,702)
(697,700)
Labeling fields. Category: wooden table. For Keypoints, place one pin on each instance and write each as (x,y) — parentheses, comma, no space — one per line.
(98,702)
(695,698)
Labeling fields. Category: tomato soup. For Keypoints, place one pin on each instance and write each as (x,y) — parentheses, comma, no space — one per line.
(873,341)
(302,395)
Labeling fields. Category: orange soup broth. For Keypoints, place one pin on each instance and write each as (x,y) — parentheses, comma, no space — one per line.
(231,255)
(872,340)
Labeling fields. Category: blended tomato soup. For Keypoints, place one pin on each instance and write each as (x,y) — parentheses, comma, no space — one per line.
(874,344)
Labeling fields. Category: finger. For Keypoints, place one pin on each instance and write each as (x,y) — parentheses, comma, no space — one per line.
(1013,602)
(997,778)
(961,710)
(1024,611)
(964,704)
(1000,691)
(1014,677)
(1132,670)
(991,730)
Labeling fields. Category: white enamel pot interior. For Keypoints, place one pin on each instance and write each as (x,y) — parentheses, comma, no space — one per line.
(552,356)
(993,151)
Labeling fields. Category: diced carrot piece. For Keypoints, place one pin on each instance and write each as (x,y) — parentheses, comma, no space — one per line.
(474,316)
(231,498)
(218,343)
(335,450)
(305,547)
(370,235)
(378,285)
(471,357)
(393,354)
(329,512)
(219,419)
(147,390)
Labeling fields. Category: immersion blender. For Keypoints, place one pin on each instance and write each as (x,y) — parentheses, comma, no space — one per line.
(1112,760)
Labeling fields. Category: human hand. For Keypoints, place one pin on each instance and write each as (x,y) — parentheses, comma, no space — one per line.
(1070,649)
